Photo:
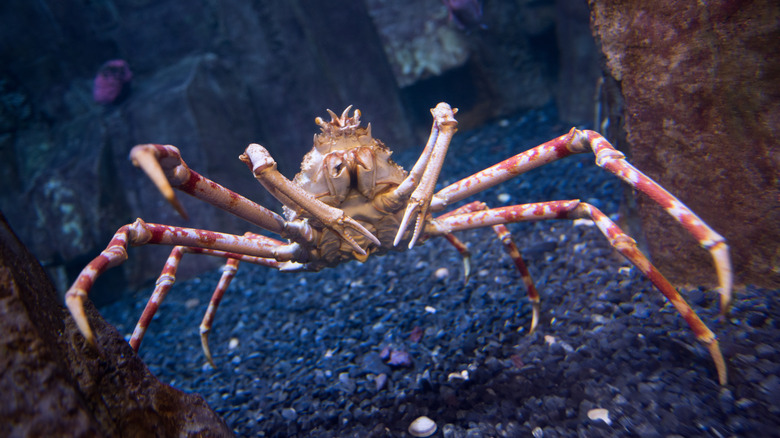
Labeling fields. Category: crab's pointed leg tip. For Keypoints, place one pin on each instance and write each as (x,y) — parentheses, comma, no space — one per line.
(204,342)
(76,307)
(725,306)
(180,208)
(466,269)
(535,311)
(720,363)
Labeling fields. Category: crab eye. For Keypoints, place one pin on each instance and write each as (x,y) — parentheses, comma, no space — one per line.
(336,168)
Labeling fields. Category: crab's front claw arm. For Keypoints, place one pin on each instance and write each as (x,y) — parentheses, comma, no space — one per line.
(426,171)
(290,194)
(163,164)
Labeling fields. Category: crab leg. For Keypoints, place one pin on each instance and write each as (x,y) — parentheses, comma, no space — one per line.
(161,287)
(263,167)
(617,238)
(228,272)
(511,249)
(141,233)
(612,160)
(165,167)
(168,277)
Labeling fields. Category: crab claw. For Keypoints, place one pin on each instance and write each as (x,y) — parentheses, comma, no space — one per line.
(444,127)
(345,222)
(421,209)
(264,168)
(410,210)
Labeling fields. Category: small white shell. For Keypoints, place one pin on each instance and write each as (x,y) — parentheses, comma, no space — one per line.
(422,427)
(599,414)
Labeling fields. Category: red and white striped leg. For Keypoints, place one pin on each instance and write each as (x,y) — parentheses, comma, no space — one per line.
(514,253)
(142,233)
(610,159)
(168,277)
(162,286)
(607,157)
(617,238)
(228,272)
(114,255)
(530,287)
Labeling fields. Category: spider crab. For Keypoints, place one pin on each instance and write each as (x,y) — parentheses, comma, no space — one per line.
(350,200)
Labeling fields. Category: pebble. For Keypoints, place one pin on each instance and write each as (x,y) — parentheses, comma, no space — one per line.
(400,358)
(380,381)
(289,414)
(191,303)
(346,383)
(726,400)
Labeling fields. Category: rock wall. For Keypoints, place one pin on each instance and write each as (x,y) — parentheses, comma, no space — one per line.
(55,385)
(701,90)
(211,77)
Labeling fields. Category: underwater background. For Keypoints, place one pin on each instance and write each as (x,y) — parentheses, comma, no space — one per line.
(690,92)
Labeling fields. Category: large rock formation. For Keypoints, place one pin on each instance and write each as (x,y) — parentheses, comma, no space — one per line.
(54,385)
(701,86)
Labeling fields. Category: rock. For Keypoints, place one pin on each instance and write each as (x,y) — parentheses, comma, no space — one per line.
(579,64)
(700,85)
(54,385)
(419,41)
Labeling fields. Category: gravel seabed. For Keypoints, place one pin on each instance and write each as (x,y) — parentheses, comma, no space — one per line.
(299,354)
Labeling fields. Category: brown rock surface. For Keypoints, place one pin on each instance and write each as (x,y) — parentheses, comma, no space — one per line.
(701,86)
(53,385)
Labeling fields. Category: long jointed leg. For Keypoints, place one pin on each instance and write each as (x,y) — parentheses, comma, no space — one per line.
(610,159)
(168,276)
(511,249)
(165,167)
(614,161)
(161,287)
(533,295)
(141,233)
(617,238)
(114,255)
(228,272)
